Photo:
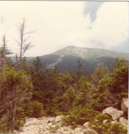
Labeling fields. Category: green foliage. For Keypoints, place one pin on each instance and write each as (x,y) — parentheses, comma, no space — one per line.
(96,103)
(122,95)
(98,74)
(116,128)
(112,87)
(80,97)
(15,81)
(37,64)
(15,90)
(2,127)
(20,117)
(108,127)
(119,63)
(34,109)
(80,115)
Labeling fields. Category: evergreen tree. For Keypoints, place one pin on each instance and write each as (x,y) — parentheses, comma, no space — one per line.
(15,88)
(37,64)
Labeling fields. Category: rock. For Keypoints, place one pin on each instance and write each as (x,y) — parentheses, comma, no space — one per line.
(123,122)
(78,129)
(90,131)
(113,122)
(50,124)
(58,118)
(52,119)
(124,105)
(78,132)
(30,121)
(65,130)
(104,121)
(115,113)
(29,132)
(86,125)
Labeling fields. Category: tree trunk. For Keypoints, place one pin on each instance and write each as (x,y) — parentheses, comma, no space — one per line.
(13,117)
(7,120)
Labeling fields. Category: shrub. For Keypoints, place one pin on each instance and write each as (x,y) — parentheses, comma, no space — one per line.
(34,109)
(79,115)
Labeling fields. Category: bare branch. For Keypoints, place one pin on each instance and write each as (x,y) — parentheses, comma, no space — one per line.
(31,32)
(25,48)
(17,41)
(26,39)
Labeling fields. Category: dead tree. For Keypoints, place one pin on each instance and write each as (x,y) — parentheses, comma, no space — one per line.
(23,43)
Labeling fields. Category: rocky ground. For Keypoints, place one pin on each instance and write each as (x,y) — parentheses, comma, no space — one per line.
(53,125)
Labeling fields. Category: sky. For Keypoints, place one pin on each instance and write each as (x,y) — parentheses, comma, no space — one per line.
(58,24)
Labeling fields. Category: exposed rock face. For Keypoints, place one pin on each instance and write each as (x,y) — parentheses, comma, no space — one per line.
(124,105)
(115,113)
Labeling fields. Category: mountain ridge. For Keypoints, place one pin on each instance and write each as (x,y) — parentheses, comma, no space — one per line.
(84,52)
(66,59)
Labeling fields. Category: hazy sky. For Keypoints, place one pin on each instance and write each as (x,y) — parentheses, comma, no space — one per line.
(61,23)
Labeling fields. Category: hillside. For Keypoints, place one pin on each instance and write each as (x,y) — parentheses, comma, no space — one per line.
(66,59)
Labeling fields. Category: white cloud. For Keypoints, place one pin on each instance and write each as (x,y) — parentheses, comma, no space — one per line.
(111,25)
(60,24)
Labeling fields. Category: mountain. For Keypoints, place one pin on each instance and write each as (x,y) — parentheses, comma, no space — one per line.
(66,59)
(89,53)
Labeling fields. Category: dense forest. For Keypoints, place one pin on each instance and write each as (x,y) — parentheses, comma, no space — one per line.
(27,90)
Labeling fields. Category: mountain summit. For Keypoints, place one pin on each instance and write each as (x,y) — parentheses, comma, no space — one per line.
(86,53)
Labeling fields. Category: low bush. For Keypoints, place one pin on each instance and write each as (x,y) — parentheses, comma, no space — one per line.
(79,115)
